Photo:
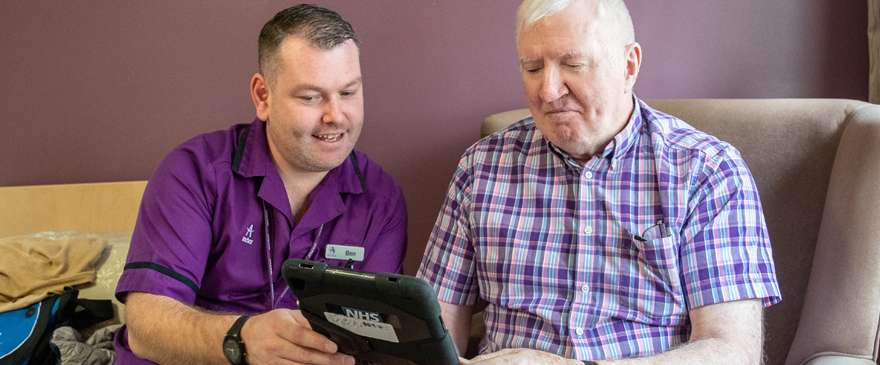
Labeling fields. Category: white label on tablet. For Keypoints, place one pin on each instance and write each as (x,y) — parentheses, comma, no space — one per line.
(360,327)
(340,252)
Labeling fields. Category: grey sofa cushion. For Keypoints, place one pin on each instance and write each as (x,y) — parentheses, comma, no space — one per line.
(816,163)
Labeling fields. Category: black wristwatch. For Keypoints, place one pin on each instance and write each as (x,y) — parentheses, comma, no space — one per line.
(233,347)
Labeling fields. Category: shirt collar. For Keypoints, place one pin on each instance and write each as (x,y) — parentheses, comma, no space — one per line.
(251,150)
(348,176)
(562,154)
(340,180)
(626,138)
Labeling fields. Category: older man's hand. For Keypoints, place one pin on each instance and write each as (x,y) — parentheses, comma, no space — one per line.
(521,357)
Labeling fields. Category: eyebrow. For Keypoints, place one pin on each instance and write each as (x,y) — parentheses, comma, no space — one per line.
(311,87)
(525,60)
(565,56)
(354,82)
(571,55)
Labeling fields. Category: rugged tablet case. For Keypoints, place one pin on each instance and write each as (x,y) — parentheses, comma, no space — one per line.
(406,303)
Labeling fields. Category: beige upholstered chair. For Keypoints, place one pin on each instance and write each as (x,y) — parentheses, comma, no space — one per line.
(817,166)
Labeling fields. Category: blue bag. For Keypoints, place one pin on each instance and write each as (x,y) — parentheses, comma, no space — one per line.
(25,332)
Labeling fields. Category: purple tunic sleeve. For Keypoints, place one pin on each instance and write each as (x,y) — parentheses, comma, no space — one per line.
(172,236)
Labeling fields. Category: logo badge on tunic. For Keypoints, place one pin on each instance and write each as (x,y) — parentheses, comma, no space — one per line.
(247,238)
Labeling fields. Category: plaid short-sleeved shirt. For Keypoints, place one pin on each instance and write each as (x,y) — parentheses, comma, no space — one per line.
(552,246)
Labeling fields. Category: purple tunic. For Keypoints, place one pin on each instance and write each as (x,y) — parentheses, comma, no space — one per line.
(201,231)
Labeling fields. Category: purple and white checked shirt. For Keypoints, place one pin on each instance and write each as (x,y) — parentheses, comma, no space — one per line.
(549,244)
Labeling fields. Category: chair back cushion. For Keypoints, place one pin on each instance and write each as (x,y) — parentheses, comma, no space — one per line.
(790,146)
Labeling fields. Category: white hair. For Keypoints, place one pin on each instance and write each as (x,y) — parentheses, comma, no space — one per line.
(613,13)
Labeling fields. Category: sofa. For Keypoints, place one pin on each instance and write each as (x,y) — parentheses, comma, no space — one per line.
(816,163)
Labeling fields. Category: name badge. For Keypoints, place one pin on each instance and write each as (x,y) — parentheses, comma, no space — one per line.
(340,252)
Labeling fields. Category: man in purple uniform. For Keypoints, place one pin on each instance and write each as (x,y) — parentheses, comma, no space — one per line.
(202,283)
(600,229)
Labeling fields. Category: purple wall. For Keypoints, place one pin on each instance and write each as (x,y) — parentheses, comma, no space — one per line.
(752,49)
(101,91)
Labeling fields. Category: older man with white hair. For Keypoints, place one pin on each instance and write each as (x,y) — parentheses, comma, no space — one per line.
(600,229)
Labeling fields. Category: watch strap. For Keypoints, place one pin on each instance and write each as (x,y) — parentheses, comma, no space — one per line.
(235,330)
(234,333)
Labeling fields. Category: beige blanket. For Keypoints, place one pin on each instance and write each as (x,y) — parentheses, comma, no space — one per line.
(32,267)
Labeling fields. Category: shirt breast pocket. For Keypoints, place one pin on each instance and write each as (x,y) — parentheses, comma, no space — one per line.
(654,281)
(660,253)
(655,265)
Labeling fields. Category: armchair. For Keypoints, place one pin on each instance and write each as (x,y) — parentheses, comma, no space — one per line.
(816,163)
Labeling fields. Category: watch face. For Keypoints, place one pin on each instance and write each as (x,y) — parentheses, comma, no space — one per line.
(232,351)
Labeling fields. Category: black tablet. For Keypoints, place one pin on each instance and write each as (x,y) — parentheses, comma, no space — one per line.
(378,318)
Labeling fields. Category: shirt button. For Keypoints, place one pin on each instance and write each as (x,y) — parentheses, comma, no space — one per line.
(579,331)
(588,175)
(585,288)
(588,230)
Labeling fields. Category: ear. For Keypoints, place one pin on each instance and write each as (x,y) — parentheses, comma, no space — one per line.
(633,62)
(260,94)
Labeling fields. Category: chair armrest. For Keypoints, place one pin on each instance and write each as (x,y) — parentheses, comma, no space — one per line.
(837,359)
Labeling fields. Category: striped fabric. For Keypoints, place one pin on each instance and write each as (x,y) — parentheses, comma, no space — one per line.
(551,245)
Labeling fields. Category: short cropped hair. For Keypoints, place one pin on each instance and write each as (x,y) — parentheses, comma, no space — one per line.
(321,28)
(612,13)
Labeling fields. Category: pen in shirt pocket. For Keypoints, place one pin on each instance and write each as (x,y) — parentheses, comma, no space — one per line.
(660,226)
